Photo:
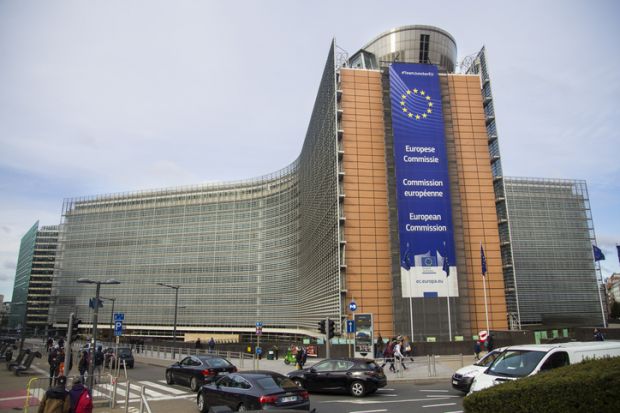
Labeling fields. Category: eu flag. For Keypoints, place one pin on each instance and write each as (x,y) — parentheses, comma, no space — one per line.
(598,254)
(446,265)
(483,261)
(406,259)
(618,248)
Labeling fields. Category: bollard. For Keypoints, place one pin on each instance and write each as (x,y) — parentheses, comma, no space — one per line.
(114,388)
(127,397)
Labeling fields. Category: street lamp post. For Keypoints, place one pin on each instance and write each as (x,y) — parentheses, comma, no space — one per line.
(111,313)
(176,307)
(91,365)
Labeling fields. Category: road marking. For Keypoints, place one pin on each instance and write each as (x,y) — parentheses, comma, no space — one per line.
(455,411)
(439,396)
(369,411)
(164,388)
(435,391)
(386,401)
(439,405)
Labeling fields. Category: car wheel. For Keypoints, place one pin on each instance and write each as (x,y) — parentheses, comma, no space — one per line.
(241,408)
(169,378)
(202,403)
(299,383)
(287,362)
(193,384)
(358,388)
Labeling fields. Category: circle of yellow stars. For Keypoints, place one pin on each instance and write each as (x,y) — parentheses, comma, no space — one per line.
(411,93)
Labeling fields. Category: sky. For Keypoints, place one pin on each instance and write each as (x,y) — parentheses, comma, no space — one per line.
(102,97)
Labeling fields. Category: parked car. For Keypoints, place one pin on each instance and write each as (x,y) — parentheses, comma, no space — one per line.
(516,362)
(357,376)
(464,377)
(124,354)
(194,371)
(253,390)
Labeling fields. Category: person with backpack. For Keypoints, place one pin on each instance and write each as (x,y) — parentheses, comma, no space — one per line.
(81,401)
(56,399)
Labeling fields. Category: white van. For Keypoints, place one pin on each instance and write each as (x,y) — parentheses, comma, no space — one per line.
(463,377)
(521,361)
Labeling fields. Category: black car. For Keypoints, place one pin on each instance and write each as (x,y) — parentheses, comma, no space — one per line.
(253,390)
(357,376)
(124,354)
(194,371)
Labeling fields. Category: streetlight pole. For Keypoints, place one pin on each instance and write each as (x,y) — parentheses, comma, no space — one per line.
(111,313)
(91,365)
(176,307)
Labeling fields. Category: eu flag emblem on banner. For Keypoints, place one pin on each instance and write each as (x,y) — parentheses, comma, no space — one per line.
(598,254)
(483,261)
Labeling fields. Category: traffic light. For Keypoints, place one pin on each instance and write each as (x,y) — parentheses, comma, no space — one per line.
(330,328)
(322,326)
(72,331)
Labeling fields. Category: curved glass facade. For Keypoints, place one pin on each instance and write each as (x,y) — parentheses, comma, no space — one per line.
(239,251)
(415,44)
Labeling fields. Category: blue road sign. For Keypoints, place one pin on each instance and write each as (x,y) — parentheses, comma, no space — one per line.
(118,328)
(119,316)
(350,326)
(259,324)
(352,306)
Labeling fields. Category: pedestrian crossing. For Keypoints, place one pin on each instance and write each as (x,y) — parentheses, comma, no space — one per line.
(153,390)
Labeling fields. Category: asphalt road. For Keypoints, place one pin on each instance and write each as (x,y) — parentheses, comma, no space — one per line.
(397,397)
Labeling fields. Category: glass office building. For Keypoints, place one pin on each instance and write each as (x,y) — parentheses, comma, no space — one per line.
(552,238)
(336,226)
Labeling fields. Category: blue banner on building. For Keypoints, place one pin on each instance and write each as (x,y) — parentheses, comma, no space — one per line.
(423,185)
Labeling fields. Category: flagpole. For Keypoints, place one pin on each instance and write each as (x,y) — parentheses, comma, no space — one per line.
(410,303)
(449,321)
(484,286)
(599,277)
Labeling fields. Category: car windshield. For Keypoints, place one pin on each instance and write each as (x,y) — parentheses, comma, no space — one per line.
(217,363)
(488,359)
(515,363)
(274,383)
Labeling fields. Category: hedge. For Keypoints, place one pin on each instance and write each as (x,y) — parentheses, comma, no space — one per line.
(590,386)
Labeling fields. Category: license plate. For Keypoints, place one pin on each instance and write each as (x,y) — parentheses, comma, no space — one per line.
(288,399)
(455,382)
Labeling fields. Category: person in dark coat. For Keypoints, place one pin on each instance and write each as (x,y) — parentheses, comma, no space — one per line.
(56,399)
(83,364)
(598,336)
(477,349)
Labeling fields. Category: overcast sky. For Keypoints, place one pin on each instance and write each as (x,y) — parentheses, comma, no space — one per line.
(113,96)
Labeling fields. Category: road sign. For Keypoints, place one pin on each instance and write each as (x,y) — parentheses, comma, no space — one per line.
(483,335)
(352,306)
(350,326)
(118,328)
(119,316)
(259,324)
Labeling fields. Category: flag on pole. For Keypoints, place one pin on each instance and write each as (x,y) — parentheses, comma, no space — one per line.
(446,262)
(618,248)
(598,254)
(405,262)
(483,261)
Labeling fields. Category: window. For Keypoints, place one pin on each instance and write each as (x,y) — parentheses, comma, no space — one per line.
(559,359)
(424,44)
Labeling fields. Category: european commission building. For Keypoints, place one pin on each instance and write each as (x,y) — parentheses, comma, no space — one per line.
(396,193)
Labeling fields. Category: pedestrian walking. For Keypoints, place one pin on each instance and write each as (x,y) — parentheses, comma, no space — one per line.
(598,336)
(398,355)
(300,357)
(53,361)
(388,355)
(198,344)
(56,399)
(407,349)
(81,400)
(83,365)
(379,347)
(211,345)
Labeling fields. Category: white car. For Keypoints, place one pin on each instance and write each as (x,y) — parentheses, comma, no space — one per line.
(516,362)
(463,377)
